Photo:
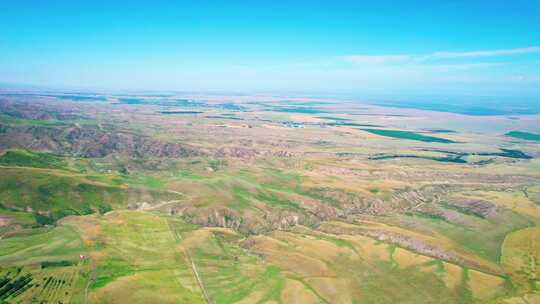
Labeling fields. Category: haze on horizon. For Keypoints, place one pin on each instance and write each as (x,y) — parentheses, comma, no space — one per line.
(418,47)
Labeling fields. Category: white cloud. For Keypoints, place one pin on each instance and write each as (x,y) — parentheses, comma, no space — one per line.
(377,60)
(466,66)
(436,56)
(486,53)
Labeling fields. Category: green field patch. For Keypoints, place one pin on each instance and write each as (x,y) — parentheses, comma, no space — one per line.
(223,117)
(110,270)
(50,245)
(391,248)
(524,135)
(439,267)
(408,135)
(242,196)
(336,241)
(300,110)
(276,201)
(458,159)
(333,118)
(64,263)
(374,190)
(441,131)
(26,158)
(463,288)
(147,181)
(510,153)
(82,97)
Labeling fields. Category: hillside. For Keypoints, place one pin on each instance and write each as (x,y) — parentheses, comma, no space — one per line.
(177,199)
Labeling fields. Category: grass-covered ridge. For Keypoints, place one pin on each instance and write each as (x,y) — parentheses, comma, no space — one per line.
(54,194)
(26,158)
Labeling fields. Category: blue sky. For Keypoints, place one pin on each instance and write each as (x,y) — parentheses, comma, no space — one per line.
(382,47)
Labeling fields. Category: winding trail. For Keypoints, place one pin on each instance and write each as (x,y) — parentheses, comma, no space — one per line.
(178,238)
(199,281)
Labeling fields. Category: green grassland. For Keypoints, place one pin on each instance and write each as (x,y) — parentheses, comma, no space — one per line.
(52,194)
(152,252)
(55,195)
(42,245)
(25,158)
(137,249)
(267,214)
(155,251)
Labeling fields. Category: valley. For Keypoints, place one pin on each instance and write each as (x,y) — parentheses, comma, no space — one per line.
(186,198)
